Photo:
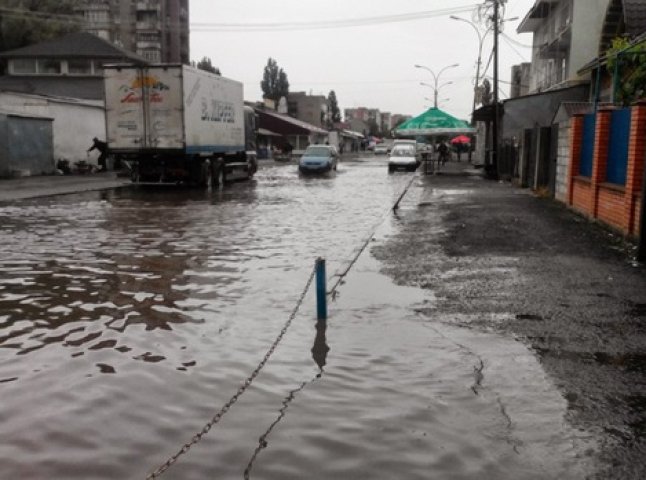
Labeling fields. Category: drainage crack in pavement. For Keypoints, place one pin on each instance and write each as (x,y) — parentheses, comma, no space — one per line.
(515,444)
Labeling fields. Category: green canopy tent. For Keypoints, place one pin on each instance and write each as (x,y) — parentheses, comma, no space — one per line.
(433,122)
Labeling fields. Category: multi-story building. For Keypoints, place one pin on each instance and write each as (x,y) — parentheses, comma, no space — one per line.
(566,37)
(369,116)
(312,109)
(397,119)
(386,122)
(360,113)
(157,30)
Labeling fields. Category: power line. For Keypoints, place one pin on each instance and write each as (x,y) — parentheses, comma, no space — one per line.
(520,44)
(326,24)
(254,27)
(514,49)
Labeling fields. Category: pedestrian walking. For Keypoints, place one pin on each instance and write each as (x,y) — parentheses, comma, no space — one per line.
(443,150)
(102,147)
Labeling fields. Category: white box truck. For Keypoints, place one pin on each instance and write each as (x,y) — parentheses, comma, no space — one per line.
(177,124)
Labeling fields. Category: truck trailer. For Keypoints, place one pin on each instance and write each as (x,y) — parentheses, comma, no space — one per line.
(176,124)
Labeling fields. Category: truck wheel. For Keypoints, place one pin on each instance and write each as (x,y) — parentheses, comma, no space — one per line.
(219,176)
(205,176)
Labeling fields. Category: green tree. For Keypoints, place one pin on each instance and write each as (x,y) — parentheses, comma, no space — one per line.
(373,128)
(627,65)
(274,82)
(333,108)
(398,123)
(25,22)
(206,65)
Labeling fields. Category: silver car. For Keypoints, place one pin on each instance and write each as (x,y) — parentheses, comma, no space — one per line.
(403,157)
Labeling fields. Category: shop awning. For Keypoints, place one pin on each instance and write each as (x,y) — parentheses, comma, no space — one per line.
(433,122)
(268,133)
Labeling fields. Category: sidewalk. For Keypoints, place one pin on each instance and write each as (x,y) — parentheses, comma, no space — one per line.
(501,260)
(46,185)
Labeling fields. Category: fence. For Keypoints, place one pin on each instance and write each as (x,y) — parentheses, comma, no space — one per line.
(607,165)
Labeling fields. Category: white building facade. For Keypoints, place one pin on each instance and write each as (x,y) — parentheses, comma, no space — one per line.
(566,37)
(75,122)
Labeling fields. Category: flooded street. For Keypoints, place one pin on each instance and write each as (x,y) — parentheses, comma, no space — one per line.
(129,317)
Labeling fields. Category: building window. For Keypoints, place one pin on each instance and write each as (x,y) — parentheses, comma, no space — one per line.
(23,65)
(151,55)
(49,67)
(79,67)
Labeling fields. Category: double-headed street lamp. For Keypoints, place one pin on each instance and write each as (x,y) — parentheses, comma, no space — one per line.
(436,79)
(436,91)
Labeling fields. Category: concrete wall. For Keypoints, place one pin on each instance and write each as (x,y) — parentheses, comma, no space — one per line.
(537,110)
(308,108)
(75,123)
(588,17)
(563,161)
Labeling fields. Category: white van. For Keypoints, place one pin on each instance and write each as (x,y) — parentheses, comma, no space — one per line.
(401,141)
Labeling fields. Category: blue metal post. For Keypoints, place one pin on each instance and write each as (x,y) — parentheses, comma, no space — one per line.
(321,290)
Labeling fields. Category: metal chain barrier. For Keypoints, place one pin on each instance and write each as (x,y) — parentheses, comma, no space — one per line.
(346,271)
(245,385)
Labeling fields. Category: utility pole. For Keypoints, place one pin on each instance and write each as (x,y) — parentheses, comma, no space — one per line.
(496,119)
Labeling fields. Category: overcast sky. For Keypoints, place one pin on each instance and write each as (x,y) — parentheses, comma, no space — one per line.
(366,65)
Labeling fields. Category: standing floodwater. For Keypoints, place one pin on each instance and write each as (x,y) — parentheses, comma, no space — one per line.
(128,318)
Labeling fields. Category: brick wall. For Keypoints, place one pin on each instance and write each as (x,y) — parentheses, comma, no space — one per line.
(616,205)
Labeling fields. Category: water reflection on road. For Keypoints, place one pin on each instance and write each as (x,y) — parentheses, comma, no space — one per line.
(127,318)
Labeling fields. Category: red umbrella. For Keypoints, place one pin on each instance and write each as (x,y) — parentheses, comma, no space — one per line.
(460,139)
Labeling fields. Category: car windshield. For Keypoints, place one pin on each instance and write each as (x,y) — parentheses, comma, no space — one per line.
(317,152)
(403,152)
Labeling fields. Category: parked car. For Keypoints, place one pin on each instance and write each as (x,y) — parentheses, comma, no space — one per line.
(403,157)
(381,149)
(402,141)
(318,159)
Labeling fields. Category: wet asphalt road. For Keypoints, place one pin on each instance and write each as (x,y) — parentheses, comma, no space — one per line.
(510,344)
(501,260)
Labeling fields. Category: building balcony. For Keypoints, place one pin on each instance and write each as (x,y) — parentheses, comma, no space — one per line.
(148,7)
(148,45)
(149,25)
(558,45)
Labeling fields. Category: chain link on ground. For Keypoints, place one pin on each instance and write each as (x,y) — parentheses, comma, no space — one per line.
(340,276)
(218,416)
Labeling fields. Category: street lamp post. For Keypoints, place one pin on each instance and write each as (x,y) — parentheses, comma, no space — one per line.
(436,79)
(436,90)
(442,100)
(479,63)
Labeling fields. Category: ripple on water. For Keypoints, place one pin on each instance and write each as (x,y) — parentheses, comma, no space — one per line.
(128,318)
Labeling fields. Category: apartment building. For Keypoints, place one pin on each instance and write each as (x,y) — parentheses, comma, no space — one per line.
(360,113)
(386,122)
(566,37)
(157,30)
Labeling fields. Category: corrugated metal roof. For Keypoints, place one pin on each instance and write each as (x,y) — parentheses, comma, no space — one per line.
(568,109)
(296,121)
(635,16)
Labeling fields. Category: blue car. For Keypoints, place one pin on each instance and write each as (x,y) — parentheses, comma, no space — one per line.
(318,159)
